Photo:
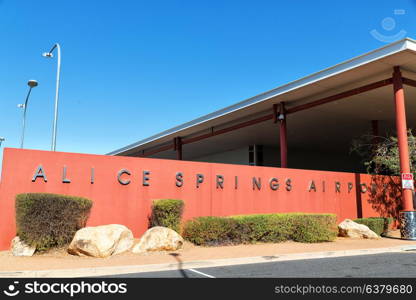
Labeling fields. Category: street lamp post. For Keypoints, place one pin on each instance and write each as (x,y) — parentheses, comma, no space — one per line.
(55,120)
(31,84)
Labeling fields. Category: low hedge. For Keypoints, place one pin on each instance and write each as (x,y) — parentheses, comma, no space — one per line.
(212,231)
(46,221)
(167,213)
(306,228)
(314,228)
(379,225)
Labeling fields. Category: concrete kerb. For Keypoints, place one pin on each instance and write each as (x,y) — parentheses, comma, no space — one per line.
(116,270)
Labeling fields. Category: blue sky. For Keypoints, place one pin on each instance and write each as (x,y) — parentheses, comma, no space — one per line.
(131,69)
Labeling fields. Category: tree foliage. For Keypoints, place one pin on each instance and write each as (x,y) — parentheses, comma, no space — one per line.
(381,154)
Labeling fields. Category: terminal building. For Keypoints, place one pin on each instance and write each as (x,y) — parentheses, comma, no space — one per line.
(300,130)
(305,124)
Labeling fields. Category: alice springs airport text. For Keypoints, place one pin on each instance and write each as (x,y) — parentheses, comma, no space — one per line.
(123,177)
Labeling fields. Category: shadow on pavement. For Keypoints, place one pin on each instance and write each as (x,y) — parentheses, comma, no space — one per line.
(180,264)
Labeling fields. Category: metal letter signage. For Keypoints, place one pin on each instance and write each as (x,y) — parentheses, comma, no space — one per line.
(364,188)
(220,181)
(350,186)
(199,179)
(92,175)
(274,184)
(256,183)
(288,184)
(124,175)
(39,173)
(64,178)
(337,187)
(312,186)
(120,173)
(179,179)
(146,178)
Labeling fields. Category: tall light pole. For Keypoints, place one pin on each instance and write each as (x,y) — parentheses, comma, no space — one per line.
(55,120)
(31,84)
(2,139)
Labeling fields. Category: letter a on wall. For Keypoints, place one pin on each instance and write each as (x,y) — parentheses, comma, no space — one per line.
(39,173)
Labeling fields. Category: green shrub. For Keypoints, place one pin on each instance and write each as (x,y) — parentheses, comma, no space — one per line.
(49,220)
(265,228)
(314,228)
(307,228)
(211,231)
(377,224)
(167,213)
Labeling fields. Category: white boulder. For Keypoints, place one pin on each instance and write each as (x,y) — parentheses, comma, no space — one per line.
(159,239)
(20,248)
(101,241)
(349,228)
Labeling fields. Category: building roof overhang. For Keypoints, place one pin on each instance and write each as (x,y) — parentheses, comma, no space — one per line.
(374,65)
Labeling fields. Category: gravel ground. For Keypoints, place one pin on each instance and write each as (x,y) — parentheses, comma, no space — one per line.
(60,259)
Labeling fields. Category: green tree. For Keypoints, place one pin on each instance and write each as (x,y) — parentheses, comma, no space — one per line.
(381,154)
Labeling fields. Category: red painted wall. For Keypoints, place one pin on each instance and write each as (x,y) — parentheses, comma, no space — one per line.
(130,204)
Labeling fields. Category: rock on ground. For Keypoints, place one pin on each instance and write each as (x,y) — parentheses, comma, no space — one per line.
(159,239)
(349,228)
(101,241)
(20,248)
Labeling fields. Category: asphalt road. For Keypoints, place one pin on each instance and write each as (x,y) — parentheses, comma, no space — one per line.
(401,264)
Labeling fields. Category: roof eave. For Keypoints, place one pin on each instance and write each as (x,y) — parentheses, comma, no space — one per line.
(390,49)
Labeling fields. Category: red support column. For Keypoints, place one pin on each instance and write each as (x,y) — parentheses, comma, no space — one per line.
(177,142)
(401,127)
(283,136)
